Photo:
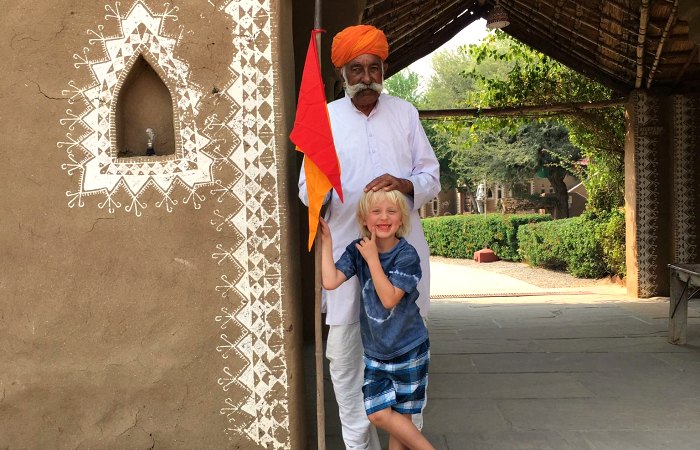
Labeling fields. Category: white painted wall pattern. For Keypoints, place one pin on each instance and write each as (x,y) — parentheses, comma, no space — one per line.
(250,323)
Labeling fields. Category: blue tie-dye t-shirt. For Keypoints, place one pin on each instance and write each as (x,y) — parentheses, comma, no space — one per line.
(388,333)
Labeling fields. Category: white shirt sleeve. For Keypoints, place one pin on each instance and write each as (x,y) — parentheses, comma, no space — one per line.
(426,168)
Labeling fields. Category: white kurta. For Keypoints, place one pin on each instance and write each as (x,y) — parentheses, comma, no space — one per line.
(390,140)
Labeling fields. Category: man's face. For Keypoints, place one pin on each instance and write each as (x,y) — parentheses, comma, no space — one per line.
(363,78)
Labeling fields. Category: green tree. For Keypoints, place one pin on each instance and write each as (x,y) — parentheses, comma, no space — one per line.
(556,156)
(448,87)
(501,72)
(534,78)
(511,156)
(404,84)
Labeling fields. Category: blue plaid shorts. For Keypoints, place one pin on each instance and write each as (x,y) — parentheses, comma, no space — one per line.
(398,383)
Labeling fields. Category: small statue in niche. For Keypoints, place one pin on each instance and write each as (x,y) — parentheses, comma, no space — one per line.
(151,137)
(481,197)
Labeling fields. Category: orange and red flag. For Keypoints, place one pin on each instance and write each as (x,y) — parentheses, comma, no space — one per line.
(313,137)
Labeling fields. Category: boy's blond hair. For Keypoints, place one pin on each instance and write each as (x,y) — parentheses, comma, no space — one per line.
(370,198)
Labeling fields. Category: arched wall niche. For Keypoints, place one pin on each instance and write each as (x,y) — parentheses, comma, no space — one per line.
(143,100)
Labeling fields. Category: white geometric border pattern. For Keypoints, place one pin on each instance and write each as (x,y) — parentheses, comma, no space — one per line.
(685,159)
(250,326)
(250,208)
(93,155)
(648,133)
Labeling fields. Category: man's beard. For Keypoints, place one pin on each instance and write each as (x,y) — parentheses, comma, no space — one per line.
(353,90)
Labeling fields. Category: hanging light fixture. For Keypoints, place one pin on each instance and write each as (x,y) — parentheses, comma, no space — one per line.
(497,17)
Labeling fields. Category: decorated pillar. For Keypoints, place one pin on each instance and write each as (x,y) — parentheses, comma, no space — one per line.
(647,208)
(661,188)
(686,185)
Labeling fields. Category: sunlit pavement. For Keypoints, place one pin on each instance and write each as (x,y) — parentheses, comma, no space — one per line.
(585,369)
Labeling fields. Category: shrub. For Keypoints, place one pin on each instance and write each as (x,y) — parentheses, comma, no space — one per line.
(612,240)
(588,246)
(460,236)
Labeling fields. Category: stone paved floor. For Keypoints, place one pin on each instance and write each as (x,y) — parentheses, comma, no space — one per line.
(588,370)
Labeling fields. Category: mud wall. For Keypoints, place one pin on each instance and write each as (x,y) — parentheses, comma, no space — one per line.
(147,300)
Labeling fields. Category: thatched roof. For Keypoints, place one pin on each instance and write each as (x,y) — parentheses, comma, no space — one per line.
(624,44)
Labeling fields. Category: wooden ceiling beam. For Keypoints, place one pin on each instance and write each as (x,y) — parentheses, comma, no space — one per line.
(660,47)
(541,21)
(692,56)
(643,22)
(419,33)
(624,44)
(449,10)
(373,4)
(528,110)
(429,42)
(405,9)
(581,54)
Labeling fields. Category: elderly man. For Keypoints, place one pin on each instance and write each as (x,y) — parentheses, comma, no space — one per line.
(381,145)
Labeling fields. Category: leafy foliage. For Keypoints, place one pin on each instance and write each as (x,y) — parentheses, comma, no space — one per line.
(534,78)
(612,241)
(461,236)
(585,246)
(448,87)
(501,72)
(404,84)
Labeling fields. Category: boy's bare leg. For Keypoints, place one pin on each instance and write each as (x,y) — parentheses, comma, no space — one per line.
(401,429)
(395,444)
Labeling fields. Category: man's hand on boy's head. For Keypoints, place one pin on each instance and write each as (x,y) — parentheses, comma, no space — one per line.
(368,246)
(388,182)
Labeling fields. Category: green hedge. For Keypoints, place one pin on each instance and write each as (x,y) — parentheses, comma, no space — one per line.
(585,246)
(460,236)
(612,239)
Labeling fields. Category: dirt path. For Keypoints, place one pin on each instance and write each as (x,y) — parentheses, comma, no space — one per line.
(541,278)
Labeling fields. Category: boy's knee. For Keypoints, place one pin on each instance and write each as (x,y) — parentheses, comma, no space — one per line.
(379,418)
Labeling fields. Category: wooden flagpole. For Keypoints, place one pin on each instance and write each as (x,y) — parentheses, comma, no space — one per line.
(320,408)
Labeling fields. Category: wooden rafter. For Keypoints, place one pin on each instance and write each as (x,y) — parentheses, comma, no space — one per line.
(660,47)
(643,22)
(431,41)
(693,56)
(538,17)
(514,111)
(624,44)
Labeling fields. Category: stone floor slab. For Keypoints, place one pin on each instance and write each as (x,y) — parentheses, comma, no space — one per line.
(581,372)
(564,362)
(506,385)
(454,415)
(602,414)
(642,440)
(517,440)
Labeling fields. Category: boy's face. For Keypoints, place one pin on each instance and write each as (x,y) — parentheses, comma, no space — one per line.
(384,218)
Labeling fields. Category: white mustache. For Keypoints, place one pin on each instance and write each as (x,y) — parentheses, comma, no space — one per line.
(359,87)
(353,90)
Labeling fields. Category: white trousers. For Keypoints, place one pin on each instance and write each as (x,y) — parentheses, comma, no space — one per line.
(345,355)
(344,352)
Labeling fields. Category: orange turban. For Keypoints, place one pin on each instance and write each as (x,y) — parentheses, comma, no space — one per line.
(358,40)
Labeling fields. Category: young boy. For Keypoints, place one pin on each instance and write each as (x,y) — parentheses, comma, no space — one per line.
(393,333)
